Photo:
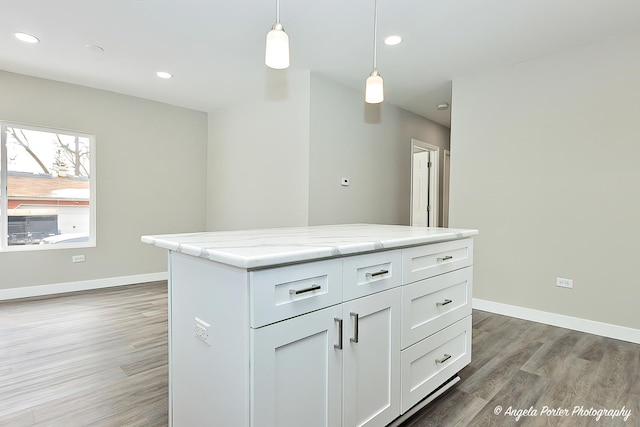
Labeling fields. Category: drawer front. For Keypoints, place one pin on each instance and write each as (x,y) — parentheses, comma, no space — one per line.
(283,292)
(366,274)
(427,261)
(432,304)
(429,363)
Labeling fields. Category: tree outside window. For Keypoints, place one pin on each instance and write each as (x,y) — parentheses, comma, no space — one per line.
(47,188)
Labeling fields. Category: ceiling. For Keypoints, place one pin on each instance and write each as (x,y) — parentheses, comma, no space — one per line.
(215,49)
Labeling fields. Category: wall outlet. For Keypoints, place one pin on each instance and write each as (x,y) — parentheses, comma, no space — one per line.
(202,331)
(564,283)
(77,258)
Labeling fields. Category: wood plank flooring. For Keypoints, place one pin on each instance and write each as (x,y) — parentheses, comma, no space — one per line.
(94,358)
(99,358)
(523,365)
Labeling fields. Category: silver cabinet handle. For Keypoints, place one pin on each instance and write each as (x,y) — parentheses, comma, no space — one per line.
(355,327)
(302,291)
(445,302)
(339,345)
(379,273)
(446,258)
(444,359)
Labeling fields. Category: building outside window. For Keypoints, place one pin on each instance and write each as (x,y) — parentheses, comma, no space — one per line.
(47,191)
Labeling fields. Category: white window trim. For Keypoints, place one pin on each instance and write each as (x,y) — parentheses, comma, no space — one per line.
(4,199)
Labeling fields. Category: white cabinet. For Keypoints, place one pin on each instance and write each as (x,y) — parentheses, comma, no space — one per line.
(285,292)
(429,363)
(342,342)
(432,304)
(421,262)
(297,372)
(371,345)
(336,366)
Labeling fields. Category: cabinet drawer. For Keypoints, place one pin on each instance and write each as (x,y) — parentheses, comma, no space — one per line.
(427,261)
(366,274)
(429,363)
(432,304)
(283,292)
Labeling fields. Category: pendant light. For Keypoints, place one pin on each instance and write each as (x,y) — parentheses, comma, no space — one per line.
(374,87)
(277,51)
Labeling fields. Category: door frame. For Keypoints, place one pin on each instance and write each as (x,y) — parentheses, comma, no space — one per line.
(446,176)
(434,188)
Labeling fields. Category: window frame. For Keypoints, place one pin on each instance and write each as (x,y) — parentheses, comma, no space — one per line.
(4,197)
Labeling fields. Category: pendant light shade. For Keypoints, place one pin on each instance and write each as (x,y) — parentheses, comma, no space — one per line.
(374,86)
(277,50)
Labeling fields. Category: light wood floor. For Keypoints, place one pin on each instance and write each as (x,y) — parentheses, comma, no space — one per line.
(94,358)
(99,358)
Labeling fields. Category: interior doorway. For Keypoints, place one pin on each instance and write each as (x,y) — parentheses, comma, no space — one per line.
(424,184)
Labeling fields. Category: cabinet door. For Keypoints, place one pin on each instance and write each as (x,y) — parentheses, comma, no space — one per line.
(431,362)
(372,359)
(296,372)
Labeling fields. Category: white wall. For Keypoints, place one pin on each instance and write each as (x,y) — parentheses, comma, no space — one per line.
(545,164)
(371,145)
(151,177)
(277,159)
(258,157)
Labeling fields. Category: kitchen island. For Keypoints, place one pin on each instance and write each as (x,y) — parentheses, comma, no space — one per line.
(338,325)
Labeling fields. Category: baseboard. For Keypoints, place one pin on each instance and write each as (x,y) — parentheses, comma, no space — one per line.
(577,324)
(83,285)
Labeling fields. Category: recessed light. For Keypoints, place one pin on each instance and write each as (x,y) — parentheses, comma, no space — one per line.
(393,40)
(27,38)
(164,75)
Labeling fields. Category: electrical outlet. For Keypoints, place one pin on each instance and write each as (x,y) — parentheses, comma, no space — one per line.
(202,331)
(77,258)
(564,283)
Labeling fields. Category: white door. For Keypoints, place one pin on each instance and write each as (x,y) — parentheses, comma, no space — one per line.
(297,372)
(424,184)
(421,189)
(371,368)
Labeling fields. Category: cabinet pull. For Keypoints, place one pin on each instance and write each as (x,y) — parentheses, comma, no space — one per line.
(339,345)
(444,359)
(446,258)
(445,302)
(379,273)
(302,291)
(355,327)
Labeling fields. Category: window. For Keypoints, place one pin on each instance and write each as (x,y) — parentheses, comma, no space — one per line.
(47,189)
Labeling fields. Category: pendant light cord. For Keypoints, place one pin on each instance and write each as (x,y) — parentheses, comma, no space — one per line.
(277,11)
(375,33)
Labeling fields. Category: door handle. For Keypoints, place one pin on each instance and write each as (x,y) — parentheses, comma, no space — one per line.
(379,273)
(339,345)
(302,291)
(355,316)
(444,359)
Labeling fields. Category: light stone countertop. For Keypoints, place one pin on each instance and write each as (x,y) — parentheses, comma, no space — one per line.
(251,249)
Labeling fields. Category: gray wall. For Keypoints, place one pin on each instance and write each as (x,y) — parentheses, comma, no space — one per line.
(277,159)
(545,163)
(151,161)
(371,145)
(258,157)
